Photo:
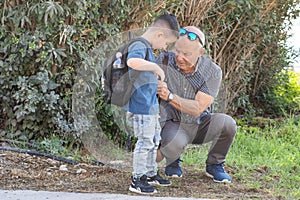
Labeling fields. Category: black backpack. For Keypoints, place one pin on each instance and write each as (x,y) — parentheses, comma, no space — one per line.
(117,86)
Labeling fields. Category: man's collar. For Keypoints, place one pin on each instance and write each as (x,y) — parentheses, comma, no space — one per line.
(196,67)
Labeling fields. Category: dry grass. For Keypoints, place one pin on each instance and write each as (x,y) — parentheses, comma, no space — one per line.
(25,172)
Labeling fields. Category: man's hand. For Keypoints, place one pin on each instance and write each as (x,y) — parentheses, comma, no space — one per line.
(163,90)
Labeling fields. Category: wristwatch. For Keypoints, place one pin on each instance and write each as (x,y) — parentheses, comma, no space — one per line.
(170,97)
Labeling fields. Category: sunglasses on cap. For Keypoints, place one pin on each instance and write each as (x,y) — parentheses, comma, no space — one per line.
(192,36)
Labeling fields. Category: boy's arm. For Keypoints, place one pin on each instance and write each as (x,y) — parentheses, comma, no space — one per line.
(144,65)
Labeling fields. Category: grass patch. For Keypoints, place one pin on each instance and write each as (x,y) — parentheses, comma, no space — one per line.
(267,157)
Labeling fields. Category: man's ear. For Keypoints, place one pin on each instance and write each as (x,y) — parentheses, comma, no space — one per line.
(201,51)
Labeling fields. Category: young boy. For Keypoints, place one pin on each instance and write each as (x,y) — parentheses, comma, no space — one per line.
(143,106)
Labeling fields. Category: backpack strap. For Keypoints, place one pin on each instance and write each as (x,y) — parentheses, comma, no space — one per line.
(165,61)
(144,41)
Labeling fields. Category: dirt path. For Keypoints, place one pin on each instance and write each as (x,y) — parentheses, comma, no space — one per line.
(25,172)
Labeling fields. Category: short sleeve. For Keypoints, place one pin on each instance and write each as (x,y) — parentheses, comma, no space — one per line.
(137,50)
(212,75)
(214,82)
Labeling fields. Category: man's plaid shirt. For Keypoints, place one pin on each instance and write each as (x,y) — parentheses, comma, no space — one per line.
(206,78)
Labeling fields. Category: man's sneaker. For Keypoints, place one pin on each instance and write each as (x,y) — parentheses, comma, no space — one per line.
(217,172)
(174,170)
(158,180)
(141,186)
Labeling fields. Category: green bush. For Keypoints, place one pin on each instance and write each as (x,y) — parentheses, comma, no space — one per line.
(247,39)
(31,100)
(54,146)
(284,97)
(43,44)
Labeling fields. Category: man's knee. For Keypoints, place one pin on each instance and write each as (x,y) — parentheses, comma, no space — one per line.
(174,148)
(223,124)
(230,126)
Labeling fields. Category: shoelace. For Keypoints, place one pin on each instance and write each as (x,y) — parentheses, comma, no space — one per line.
(219,168)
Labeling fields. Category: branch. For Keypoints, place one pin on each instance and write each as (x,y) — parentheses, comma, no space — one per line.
(36,153)
(228,39)
(4,8)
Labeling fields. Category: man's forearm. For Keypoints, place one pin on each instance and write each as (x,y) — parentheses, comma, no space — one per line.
(187,106)
(191,106)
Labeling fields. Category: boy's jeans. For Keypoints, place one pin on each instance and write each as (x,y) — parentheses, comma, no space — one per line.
(146,129)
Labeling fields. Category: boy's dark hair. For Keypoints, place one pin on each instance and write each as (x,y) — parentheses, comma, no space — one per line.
(169,21)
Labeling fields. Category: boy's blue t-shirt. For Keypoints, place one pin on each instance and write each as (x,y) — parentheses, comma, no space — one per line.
(144,99)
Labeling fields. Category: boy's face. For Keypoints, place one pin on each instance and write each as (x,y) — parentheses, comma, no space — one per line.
(162,41)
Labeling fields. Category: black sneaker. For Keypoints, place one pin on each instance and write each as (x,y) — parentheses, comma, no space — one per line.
(158,180)
(174,170)
(141,186)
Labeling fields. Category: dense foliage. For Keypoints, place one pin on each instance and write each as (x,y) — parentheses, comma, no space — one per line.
(42,45)
(45,43)
(248,40)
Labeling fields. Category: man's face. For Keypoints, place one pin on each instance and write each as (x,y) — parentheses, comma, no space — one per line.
(187,53)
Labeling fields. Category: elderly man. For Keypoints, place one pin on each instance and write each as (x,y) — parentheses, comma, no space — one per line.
(191,85)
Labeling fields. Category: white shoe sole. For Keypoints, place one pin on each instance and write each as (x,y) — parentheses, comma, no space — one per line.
(211,176)
(174,176)
(140,192)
